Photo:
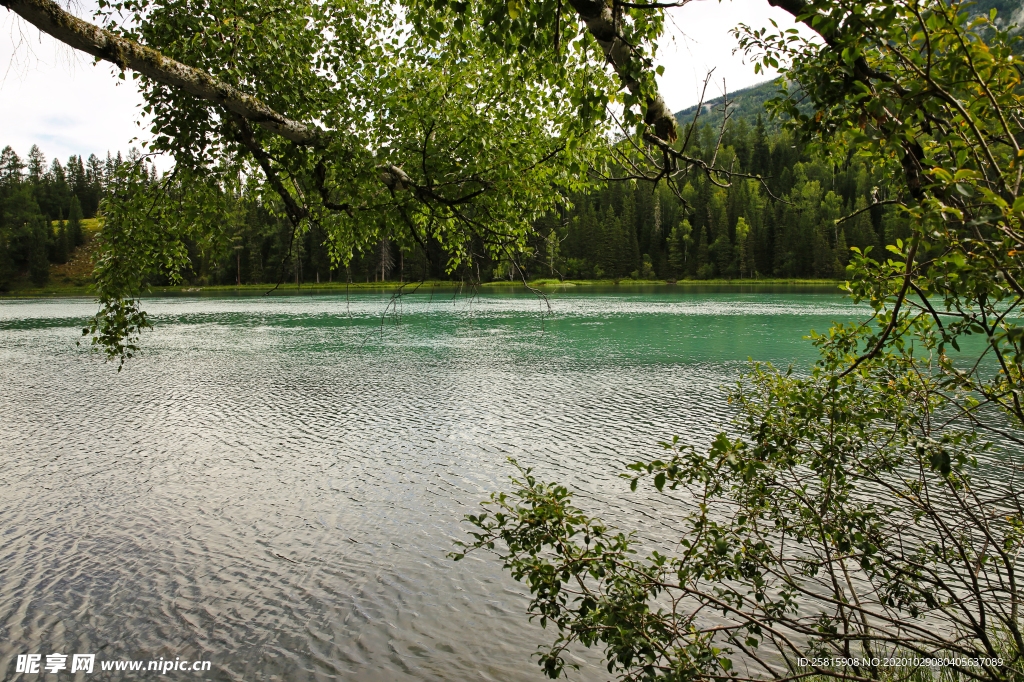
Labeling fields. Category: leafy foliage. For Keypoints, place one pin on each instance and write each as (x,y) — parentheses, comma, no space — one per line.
(849,517)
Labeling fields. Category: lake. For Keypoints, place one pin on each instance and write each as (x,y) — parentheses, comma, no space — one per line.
(274,484)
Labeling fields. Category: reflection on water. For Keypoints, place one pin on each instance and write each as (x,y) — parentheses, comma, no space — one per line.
(274,485)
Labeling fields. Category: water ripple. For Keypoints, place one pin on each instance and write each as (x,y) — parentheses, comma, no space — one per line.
(274,484)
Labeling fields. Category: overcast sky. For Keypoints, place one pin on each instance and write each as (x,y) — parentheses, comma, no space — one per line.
(67,105)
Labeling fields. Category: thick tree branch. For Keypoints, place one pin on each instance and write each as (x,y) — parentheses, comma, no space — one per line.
(296,213)
(50,18)
(599,20)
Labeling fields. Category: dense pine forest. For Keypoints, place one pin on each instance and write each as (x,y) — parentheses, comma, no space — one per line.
(784,227)
(800,222)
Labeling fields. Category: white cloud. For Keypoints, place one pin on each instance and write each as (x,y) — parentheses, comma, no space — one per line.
(699,40)
(57,98)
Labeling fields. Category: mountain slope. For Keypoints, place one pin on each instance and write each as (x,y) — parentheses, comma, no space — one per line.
(749,102)
(746,104)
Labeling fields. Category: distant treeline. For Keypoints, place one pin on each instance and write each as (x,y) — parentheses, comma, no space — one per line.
(621,230)
(626,230)
(737,231)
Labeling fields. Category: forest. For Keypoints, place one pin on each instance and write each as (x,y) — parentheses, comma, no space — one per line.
(782,227)
(787,226)
(41,209)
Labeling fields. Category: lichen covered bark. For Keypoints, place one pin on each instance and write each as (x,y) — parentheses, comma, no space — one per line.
(600,22)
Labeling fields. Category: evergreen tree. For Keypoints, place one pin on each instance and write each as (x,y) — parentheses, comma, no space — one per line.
(18,214)
(38,264)
(61,250)
(76,237)
(94,175)
(831,212)
(678,242)
(58,196)
(740,141)
(11,168)
(718,216)
(721,255)
(842,253)
(109,170)
(80,186)
(6,261)
(760,154)
(742,247)
(605,261)
(702,268)
(654,241)
(824,257)
(765,256)
(36,165)
(627,260)
(861,232)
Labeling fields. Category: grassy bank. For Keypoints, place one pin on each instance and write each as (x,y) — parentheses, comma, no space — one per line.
(73,279)
(679,283)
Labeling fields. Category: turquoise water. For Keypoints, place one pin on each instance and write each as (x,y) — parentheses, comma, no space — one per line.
(274,484)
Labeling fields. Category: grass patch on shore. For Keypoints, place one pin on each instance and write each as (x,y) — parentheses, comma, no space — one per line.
(680,283)
(74,279)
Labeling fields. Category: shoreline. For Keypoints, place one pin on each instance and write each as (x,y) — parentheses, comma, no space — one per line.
(334,288)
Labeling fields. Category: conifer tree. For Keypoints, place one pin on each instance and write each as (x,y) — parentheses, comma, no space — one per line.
(678,241)
(11,167)
(702,268)
(742,248)
(627,256)
(842,253)
(6,261)
(36,165)
(38,264)
(760,153)
(58,195)
(634,246)
(606,240)
(60,249)
(76,237)
(861,233)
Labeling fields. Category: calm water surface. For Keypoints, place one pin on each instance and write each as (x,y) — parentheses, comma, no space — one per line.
(274,485)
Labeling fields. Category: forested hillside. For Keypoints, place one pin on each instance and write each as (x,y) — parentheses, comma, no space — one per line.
(42,206)
(621,230)
(746,105)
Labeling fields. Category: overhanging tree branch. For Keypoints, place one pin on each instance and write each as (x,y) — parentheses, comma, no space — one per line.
(50,18)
